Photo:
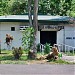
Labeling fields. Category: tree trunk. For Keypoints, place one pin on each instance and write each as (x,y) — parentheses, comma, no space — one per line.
(0,46)
(35,15)
(35,23)
(30,12)
(32,54)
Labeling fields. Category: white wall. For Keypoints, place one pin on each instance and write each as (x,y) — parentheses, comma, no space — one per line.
(38,37)
(70,32)
(64,34)
(5,28)
(60,37)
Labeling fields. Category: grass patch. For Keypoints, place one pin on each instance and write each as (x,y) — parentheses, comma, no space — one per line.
(70,53)
(9,59)
(6,51)
(13,62)
(60,61)
(6,57)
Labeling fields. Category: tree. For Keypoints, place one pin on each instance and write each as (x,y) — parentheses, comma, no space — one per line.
(72,11)
(19,7)
(35,21)
(5,7)
(30,12)
(55,7)
(32,53)
(47,7)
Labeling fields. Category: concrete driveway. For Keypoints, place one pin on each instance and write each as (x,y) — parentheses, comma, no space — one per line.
(36,69)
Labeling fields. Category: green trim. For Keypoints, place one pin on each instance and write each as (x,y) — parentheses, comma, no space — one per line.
(13,20)
(53,22)
(41,18)
(40,21)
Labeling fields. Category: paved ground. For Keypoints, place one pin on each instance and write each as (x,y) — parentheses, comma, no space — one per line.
(37,69)
(68,58)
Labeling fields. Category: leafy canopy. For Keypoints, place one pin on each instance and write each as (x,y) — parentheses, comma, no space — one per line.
(47,7)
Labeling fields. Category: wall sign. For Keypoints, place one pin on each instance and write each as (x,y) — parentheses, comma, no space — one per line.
(70,37)
(58,27)
(73,37)
(53,27)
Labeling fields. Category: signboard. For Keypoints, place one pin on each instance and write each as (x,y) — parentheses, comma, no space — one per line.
(58,27)
(70,38)
(53,27)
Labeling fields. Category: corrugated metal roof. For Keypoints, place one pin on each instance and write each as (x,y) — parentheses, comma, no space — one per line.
(40,17)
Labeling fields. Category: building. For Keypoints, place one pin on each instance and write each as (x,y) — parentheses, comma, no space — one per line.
(51,29)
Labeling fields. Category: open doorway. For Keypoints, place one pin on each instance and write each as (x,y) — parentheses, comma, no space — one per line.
(48,37)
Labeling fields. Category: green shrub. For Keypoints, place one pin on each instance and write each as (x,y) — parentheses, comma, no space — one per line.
(28,38)
(60,55)
(38,47)
(17,52)
(47,48)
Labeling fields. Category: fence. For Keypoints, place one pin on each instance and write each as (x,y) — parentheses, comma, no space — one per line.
(42,48)
(65,48)
(61,47)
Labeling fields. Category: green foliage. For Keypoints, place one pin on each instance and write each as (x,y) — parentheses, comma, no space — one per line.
(38,47)
(72,14)
(17,52)
(28,38)
(47,7)
(47,48)
(55,7)
(19,7)
(5,6)
(60,55)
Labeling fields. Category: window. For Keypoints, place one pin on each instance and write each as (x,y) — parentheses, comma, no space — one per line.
(12,28)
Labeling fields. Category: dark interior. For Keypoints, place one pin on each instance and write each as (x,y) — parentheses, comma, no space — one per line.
(48,37)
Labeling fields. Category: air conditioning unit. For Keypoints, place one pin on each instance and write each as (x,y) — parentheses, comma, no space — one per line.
(22,28)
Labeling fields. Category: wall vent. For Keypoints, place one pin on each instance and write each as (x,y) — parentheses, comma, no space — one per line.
(22,28)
